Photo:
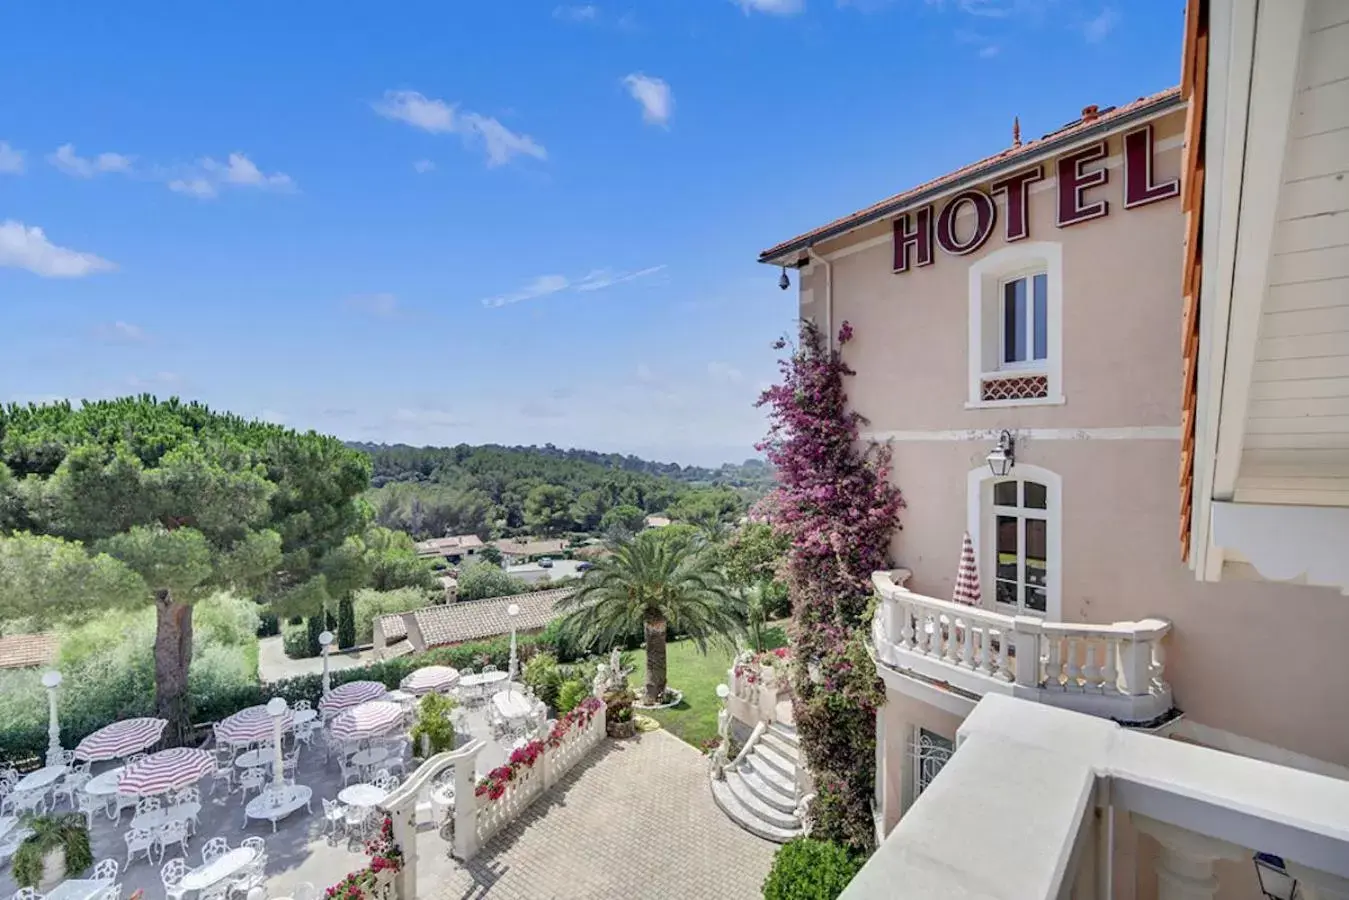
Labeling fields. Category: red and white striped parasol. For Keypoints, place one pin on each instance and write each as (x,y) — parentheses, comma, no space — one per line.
(367,720)
(353,693)
(430,678)
(249,725)
(166,770)
(120,739)
(967,578)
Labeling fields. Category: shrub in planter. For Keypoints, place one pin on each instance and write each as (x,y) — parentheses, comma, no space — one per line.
(570,694)
(806,869)
(433,723)
(618,721)
(66,833)
(543,675)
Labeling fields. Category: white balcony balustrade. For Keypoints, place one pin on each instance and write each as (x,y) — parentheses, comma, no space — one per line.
(1115,671)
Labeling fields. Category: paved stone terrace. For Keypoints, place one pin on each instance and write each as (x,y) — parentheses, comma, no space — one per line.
(635,821)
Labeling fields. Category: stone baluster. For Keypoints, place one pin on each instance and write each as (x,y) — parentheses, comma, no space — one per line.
(953,642)
(1004,670)
(1091,672)
(1185,860)
(1073,648)
(986,650)
(967,644)
(1053,661)
(923,621)
(1110,670)
(906,632)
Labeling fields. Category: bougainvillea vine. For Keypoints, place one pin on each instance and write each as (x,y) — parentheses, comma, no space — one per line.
(836,504)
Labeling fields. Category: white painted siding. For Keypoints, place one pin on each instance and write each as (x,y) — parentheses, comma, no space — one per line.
(1297,433)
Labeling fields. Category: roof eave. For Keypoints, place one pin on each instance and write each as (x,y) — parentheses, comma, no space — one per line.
(788,253)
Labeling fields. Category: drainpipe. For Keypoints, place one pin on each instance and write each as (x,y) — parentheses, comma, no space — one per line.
(828,295)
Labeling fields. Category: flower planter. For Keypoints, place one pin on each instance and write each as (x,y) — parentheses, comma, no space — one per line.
(53,869)
(620,730)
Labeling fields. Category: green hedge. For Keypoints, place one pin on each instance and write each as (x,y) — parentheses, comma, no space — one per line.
(806,869)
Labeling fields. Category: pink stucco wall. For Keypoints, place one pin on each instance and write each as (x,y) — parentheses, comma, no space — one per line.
(1252,658)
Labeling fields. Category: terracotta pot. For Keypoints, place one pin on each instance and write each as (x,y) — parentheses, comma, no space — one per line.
(621,729)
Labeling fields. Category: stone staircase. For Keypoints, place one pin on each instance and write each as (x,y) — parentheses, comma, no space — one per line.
(760,794)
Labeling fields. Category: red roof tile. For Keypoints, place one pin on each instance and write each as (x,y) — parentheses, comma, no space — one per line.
(27,651)
(984,166)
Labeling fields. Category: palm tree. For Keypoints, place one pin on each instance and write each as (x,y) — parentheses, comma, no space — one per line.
(659,581)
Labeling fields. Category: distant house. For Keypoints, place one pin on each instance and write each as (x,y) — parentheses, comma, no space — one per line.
(458,623)
(527,549)
(457,549)
(657,521)
(451,586)
(28,651)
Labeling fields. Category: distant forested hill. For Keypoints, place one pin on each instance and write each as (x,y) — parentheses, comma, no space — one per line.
(492,490)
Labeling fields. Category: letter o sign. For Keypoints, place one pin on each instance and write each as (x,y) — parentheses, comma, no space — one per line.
(985,215)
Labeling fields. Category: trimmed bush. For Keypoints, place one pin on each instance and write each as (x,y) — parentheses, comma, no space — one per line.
(543,675)
(570,695)
(346,624)
(295,641)
(806,869)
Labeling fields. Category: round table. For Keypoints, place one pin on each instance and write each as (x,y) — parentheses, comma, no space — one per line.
(254,759)
(512,705)
(104,784)
(273,804)
(482,679)
(42,778)
(372,757)
(400,697)
(304,715)
(218,869)
(362,795)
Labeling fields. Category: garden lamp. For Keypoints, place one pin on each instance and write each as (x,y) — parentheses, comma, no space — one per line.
(1002,458)
(325,642)
(276,708)
(51,681)
(513,611)
(1275,882)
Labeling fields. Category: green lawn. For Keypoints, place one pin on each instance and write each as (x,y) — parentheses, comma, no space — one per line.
(695,718)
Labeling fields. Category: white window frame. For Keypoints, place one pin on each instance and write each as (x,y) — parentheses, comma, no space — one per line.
(1030,364)
(981,522)
(986,279)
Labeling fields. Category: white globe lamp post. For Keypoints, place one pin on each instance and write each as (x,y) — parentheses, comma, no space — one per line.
(276,708)
(51,681)
(513,611)
(325,642)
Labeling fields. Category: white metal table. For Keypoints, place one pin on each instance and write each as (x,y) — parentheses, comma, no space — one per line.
(254,759)
(105,783)
(151,820)
(302,716)
(364,759)
(512,705)
(80,888)
(42,778)
(217,870)
(274,804)
(362,795)
(482,679)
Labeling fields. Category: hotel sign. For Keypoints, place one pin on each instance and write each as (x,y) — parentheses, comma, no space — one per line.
(916,232)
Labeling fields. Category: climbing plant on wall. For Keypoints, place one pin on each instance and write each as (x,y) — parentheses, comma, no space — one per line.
(837,506)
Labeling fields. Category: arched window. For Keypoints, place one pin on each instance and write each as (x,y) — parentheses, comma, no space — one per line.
(1015,525)
(1016,326)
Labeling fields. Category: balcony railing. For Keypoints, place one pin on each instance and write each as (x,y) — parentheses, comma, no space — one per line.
(1115,671)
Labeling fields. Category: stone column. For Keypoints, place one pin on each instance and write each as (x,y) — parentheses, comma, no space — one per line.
(1313,884)
(465,809)
(1185,860)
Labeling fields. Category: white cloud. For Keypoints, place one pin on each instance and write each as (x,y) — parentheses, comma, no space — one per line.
(272,416)
(1095,30)
(422,166)
(22,247)
(194,187)
(11,160)
(544,285)
(383,305)
(124,332)
(439,117)
(67,160)
(721,371)
(209,176)
(654,95)
(585,13)
(988,52)
(541,286)
(773,7)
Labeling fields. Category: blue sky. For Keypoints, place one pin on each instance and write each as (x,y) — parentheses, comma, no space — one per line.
(513,222)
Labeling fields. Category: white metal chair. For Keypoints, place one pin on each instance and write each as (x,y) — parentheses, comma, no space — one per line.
(134,758)
(215,848)
(222,776)
(138,840)
(189,794)
(304,891)
(290,763)
(171,874)
(27,893)
(257,845)
(302,703)
(73,781)
(217,891)
(119,802)
(20,802)
(385,781)
(349,771)
(252,780)
(251,876)
(490,667)
(173,831)
(87,804)
(355,821)
(334,815)
(148,804)
(304,734)
(107,868)
(112,892)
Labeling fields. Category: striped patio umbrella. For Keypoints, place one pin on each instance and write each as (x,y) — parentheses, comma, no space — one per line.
(430,678)
(120,739)
(353,693)
(367,720)
(249,725)
(967,578)
(166,770)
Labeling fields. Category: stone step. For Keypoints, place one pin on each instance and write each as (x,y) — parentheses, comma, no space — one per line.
(767,791)
(765,812)
(775,759)
(780,745)
(783,784)
(784,731)
(745,817)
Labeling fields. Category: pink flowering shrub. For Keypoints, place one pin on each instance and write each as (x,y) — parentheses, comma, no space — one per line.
(836,504)
(385,856)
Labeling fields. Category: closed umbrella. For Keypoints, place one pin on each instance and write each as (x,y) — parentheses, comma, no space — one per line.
(250,725)
(166,770)
(353,693)
(120,739)
(367,720)
(430,678)
(967,577)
